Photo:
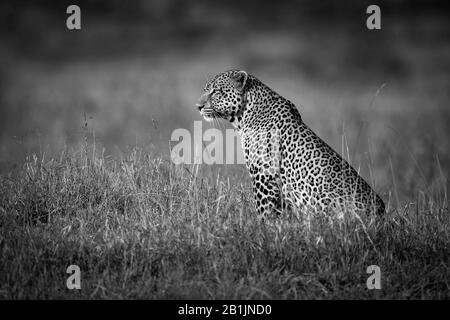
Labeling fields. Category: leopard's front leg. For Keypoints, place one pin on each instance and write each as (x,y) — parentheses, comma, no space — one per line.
(263,158)
(267,194)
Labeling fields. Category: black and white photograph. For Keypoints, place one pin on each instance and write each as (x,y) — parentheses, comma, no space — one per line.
(236,151)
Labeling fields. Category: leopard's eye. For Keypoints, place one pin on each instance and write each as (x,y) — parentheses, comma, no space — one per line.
(216,92)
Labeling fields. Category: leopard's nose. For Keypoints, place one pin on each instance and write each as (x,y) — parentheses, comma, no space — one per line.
(199,106)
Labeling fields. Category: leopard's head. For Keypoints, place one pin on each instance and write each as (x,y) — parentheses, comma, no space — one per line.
(224,96)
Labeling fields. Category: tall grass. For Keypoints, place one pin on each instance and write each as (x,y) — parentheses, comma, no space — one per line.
(141,227)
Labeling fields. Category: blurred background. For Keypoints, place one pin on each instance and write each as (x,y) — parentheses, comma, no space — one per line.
(133,72)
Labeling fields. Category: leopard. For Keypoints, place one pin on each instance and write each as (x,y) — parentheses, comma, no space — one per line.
(290,166)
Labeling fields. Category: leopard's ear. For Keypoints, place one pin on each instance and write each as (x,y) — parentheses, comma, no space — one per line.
(241,79)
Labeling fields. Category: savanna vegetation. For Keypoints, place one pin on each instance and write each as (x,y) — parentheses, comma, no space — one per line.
(86,176)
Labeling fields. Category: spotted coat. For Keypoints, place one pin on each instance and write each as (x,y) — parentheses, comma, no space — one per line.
(288,163)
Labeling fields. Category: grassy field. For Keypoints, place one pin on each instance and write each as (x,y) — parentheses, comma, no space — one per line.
(141,227)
